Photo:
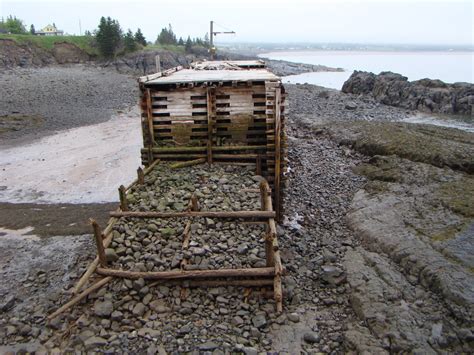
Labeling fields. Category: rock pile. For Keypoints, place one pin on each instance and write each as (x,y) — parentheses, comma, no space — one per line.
(424,95)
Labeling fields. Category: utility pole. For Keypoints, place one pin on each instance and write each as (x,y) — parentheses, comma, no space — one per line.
(212,50)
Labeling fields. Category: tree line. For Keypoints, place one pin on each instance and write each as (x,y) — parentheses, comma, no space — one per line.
(111,40)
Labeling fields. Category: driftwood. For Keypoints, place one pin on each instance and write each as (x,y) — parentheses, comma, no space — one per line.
(99,243)
(90,270)
(188,274)
(79,297)
(188,163)
(209,214)
(140,176)
(123,198)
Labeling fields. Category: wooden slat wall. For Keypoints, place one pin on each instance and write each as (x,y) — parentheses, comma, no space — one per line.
(195,121)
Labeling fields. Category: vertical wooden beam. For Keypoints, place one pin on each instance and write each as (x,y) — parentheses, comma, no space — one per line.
(151,132)
(269,253)
(194,203)
(277,113)
(99,242)
(259,165)
(211,114)
(123,198)
(271,244)
(158,63)
(140,176)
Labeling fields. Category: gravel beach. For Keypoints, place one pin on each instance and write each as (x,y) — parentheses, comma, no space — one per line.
(39,101)
(351,285)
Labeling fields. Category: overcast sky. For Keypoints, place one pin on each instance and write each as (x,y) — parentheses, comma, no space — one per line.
(363,21)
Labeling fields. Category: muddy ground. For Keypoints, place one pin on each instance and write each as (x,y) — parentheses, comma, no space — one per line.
(366,262)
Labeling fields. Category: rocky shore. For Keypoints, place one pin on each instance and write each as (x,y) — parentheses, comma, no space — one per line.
(424,95)
(377,241)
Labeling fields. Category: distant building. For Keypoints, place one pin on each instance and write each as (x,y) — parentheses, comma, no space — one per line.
(49,30)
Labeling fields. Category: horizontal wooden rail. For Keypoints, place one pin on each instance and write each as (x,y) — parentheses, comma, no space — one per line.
(188,274)
(223,148)
(209,214)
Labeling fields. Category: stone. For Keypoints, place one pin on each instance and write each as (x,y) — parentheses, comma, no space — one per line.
(242,249)
(208,346)
(159,306)
(111,255)
(139,309)
(7,303)
(147,299)
(259,321)
(333,275)
(167,232)
(138,284)
(210,223)
(94,342)
(294,317)
(116,315)
(103,308)
(350,106)
(311,337)
(249,350)
(85,334)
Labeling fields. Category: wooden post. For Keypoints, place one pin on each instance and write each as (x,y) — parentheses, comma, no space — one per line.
(99,242)
(259,165)
(277,113)
(211,113)
(194,203)
(140,176)
(151,130)
(158,63)
(269,253)
(123,198)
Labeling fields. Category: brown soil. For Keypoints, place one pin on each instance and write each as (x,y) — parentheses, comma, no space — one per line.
(55,219)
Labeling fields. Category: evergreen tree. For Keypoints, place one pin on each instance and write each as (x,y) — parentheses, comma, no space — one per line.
(13,25)
(129,42)
(167,36)
(108,36)
(140,38)
(87,33)
(189,45)
(180,41)
(32,29)
(206,41)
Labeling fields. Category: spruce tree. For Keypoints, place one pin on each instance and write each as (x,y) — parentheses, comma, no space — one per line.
(108,36)
(189,45)
(129,41)
(140,38)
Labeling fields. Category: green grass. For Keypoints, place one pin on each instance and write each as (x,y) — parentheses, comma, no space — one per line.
(168,47)
(47,42)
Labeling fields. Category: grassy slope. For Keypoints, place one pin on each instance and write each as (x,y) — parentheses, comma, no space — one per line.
(47,42)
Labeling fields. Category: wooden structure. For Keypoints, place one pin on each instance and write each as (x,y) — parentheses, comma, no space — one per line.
(221,111)
(215,112)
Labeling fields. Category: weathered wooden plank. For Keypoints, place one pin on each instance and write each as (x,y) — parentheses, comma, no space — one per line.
(201,214)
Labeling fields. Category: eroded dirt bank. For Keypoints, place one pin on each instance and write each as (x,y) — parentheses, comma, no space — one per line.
(372,224)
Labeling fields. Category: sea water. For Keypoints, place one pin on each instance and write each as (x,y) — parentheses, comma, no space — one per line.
(448,66)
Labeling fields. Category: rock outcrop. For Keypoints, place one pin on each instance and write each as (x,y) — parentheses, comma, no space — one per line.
(14,54)
(425,95)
